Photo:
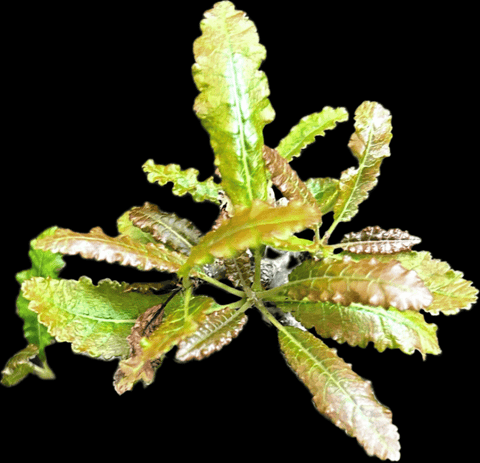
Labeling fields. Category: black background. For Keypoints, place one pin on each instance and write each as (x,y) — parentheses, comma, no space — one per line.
(92,93)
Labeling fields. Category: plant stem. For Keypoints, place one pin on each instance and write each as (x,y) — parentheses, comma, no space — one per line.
(268,315)
(223,286)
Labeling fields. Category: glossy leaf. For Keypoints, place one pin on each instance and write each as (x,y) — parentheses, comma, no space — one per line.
(184,181)
(179,234)
(95,319)
(232,105)
(369,144)
(250,227)
(286,179)
(126,227)
(369,282)
(21,365)
(325,191)
(374,240)
(359,324)
(340,394)
(451,292)
(308,128)
(122,249)
(240,269)
(181,318)
(218,330)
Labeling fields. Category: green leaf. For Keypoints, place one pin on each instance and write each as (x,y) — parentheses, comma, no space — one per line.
(250,227)
(122,249)
(286,179)
(184,181)
(179,234)
(44,264)
(369,282)
(20,365)
(369,144)
(95,319)
(126,227)
(308,128)
(359,324)
(181,319)
(339,394)
(325,191)
(451,292)
(232,105)
(218,330)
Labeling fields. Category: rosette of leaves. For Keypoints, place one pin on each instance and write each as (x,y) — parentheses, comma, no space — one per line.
(373,291)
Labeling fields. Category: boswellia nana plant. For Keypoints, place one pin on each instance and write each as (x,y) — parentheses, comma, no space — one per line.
(369,287)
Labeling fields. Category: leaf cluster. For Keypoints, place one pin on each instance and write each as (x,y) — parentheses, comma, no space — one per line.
(370,287)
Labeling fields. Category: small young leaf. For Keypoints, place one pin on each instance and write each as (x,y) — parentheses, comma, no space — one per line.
(180,319)
(286,179)
(95,319)
(374,240)
(308,128)
(369,282)
(180,234)
(20,365)
(369,144)
(325,191)
(232,105)
(250,227)
(359,324)
(218,330)
(122,249)
(126,227)
(340,394)
(184,181)
(239,270)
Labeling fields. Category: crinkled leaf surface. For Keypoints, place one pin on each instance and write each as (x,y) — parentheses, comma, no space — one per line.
(217,330)
(179,234)
(375,240)
(359,324)
(232,105)
(250,227)
(370,145)
(370,282)
(286,179)
(184,181)
(307,129)
(122,249)
(451,292)
(181,318)
(340,394)
(96,320)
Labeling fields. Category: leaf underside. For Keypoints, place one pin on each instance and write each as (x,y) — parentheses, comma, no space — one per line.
(340,394)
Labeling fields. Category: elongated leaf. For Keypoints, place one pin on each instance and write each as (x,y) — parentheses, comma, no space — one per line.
(122,249)
(95,319)
(126,227)
(181,318)
(21,365)
(325,191)
(44,264)
(374,240)
(250,227)
(340,394)
(218,330)
(369,144)
(240,270)
(180,234)
(308,128)
(359,324)
(451,292)
(369,282)
(286,179)
(184,181)
(232,105)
